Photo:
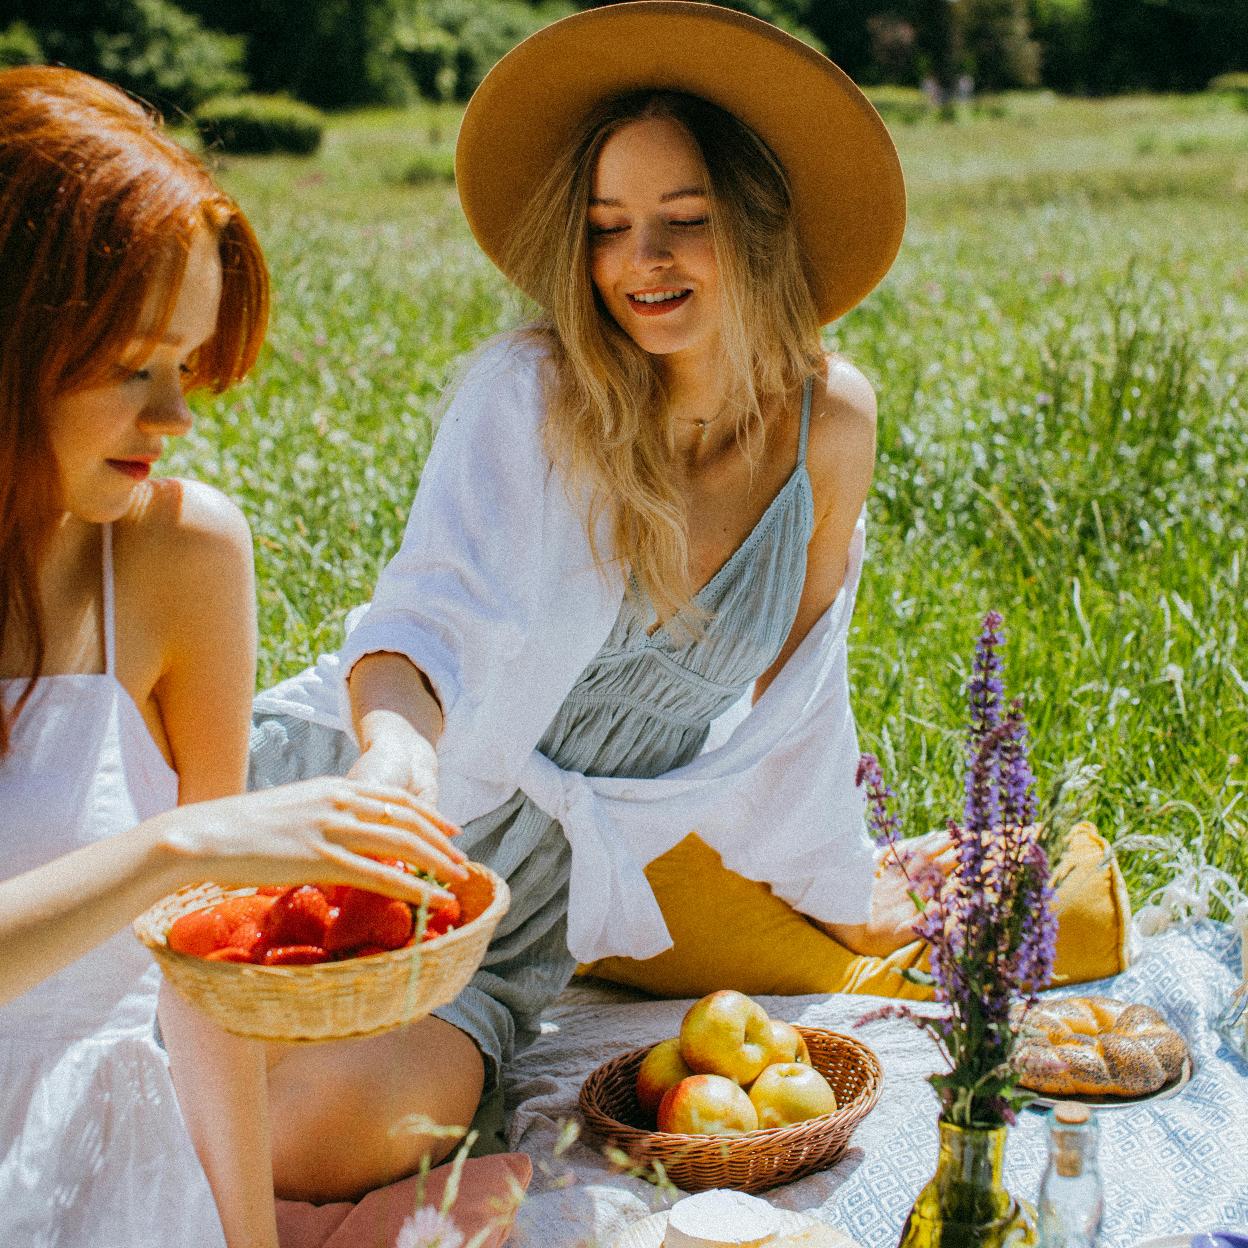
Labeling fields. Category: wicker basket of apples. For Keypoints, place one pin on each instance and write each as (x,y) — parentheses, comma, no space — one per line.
(737,1100)
(320,962)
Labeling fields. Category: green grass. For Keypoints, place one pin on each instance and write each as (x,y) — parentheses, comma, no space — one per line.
(1061,355)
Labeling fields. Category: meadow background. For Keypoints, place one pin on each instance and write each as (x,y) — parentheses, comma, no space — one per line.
(1061,355)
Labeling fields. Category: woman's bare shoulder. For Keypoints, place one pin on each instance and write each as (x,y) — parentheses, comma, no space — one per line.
(183,519)
(841,454)
(185,543)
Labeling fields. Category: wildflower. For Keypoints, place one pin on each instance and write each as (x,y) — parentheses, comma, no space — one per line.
(884,823)
(990,925)
(429,1228)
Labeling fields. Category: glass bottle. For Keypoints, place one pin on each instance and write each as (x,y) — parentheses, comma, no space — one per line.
(1071,1203)
(966,1204)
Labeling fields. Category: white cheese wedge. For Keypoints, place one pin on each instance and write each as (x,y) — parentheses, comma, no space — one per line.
(721,1219)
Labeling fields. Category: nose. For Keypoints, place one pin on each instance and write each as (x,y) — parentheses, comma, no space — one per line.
(652,247)
(166,412)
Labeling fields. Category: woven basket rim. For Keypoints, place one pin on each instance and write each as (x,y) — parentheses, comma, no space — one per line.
(851,1112)
(144,929)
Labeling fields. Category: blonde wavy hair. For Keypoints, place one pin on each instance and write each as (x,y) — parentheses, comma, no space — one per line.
(607,419)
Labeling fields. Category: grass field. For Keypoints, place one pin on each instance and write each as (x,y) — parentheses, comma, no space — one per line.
(1061,354)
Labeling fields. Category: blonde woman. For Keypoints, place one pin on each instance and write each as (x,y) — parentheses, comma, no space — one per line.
(620,608)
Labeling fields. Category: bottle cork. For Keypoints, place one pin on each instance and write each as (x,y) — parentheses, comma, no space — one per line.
(1071,1113)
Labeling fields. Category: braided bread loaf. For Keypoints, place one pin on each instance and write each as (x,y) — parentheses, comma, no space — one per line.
(1095,1046)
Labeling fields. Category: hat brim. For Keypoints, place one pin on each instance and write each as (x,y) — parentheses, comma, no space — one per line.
(849,196)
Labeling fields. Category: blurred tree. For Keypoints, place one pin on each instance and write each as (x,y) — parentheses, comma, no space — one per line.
(1063,30)
(150,47)
(1165,45)
(996,41)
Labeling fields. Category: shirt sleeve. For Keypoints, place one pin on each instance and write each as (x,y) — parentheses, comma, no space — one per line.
(455,599)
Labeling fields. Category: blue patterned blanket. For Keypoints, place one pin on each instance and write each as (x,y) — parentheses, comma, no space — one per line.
(1170,1167)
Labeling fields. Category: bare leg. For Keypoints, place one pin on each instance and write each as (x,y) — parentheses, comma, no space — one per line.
(221,1085)
(338,1109)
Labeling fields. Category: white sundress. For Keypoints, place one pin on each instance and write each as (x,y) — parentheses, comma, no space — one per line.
(93,1149)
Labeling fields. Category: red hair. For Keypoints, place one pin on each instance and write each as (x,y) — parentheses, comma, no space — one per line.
(96,204)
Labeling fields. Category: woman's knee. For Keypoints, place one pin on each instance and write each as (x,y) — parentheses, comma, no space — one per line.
(351,1116)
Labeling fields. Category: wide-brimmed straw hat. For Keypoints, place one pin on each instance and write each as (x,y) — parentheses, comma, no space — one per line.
(849,197)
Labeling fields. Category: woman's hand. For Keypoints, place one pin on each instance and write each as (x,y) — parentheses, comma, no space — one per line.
(314,831)
(893,912)
(397,756)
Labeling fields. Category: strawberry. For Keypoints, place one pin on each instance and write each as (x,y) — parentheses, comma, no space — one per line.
(230,954)
(298,917)
(232,923)
(443,916)
(367,918)
(293,955)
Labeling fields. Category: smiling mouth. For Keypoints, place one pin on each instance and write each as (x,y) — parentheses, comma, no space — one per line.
(657,302)
(135,469)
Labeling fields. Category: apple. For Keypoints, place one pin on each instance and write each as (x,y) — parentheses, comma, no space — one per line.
(789,1092)
(785,1044)
(661,1068)
(707,1105)
(726,1034)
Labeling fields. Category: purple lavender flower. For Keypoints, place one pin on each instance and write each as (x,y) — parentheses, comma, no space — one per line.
(984,691)
(1018,782)
(990,925)
(884,822)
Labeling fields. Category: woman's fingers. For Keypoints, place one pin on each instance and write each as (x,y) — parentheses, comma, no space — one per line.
(364,873)
(394,802)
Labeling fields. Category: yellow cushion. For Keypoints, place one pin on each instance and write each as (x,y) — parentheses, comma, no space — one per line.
(730,932)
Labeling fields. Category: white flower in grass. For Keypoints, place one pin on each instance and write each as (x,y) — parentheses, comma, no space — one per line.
(427,1228)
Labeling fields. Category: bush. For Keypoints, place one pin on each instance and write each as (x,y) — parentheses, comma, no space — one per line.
(19,46)
(259,124)
(435,165)
(1233,85)
(149,47)
(903,105)
(450,45)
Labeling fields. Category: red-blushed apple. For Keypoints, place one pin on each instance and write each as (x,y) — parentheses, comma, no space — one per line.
(785,1043)
(789,1092)
(707,1105)
(726,1034)
(661,1068)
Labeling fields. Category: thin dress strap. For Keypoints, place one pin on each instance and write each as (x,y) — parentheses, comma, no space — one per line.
(109,630)
(803,435)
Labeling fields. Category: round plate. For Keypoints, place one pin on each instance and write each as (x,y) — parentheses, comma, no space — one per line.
(648,1233)
(1163,1093)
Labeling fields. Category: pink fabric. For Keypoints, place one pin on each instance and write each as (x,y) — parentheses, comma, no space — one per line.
(485,1193)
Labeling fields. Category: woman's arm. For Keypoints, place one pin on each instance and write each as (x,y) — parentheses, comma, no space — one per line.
(185,637)
(398,721)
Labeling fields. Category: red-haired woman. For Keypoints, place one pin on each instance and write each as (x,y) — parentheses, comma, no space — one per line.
(127,647)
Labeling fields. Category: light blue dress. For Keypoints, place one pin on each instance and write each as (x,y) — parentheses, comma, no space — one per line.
(642,707)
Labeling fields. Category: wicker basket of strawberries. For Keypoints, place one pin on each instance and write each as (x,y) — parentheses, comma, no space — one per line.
(320,962)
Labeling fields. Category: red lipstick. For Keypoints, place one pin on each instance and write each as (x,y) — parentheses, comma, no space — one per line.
(661,306)
(135,469)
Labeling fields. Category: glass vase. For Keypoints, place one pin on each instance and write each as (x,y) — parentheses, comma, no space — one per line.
(966,1205)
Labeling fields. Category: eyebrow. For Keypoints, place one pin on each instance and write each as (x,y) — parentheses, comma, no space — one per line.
(685,192)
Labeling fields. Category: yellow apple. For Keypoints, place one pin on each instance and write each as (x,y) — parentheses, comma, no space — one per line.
(785,1043)
(789,1092)
(707,1105)
(661,1068)
(726,1034)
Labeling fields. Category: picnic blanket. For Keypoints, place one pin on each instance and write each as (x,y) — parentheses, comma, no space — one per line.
(1169,1166)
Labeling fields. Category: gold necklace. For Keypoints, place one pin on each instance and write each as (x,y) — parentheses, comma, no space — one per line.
(703,425)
